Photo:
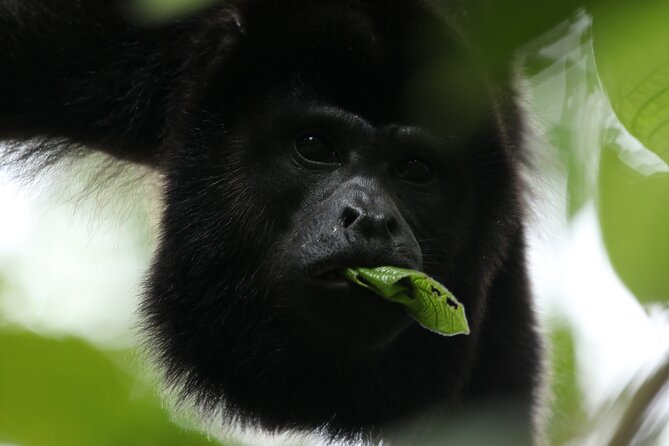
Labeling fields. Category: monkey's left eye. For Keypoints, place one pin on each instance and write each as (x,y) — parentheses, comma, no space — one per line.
(317,149)
(415,171)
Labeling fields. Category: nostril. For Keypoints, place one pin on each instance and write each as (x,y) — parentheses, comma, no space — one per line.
(393,226)
(348,216)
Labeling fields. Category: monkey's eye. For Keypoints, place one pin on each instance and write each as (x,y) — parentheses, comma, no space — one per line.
(415,171)
(317,149)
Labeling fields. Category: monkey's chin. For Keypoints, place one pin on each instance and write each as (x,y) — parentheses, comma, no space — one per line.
(350,316)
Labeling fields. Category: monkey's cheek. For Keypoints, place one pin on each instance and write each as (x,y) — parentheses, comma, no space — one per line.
(348,315)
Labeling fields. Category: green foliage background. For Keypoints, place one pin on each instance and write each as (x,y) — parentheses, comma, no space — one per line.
(65,391)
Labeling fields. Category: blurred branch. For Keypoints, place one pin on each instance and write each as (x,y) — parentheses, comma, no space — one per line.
(644,397)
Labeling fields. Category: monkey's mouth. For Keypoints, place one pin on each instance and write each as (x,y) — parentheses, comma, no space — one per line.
(330,275)
(345,313)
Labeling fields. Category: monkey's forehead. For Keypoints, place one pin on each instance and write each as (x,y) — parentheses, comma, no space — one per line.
(364,56)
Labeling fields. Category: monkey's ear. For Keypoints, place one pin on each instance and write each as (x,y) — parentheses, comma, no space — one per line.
(236,18)
(228,21)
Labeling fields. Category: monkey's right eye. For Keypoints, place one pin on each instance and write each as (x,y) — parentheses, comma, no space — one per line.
(316,149)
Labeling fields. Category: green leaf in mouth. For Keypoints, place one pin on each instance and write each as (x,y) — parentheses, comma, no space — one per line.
(423,298)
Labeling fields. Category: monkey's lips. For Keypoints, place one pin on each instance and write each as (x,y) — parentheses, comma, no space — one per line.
(329,276)
(347,314)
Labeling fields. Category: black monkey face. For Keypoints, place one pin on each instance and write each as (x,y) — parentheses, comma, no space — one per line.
(344,192)
(322,141)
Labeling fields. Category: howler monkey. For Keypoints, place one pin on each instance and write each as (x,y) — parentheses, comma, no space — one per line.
(297,137)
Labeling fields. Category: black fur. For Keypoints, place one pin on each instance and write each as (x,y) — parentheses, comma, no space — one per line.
(215,101)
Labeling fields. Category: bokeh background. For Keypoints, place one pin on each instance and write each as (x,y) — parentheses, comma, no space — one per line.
(74,249)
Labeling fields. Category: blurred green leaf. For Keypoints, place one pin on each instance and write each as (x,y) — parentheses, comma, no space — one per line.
(68,393)
(567,413)
(630,41)
(577,131)
(156,11)
(634,214)
(513,23)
